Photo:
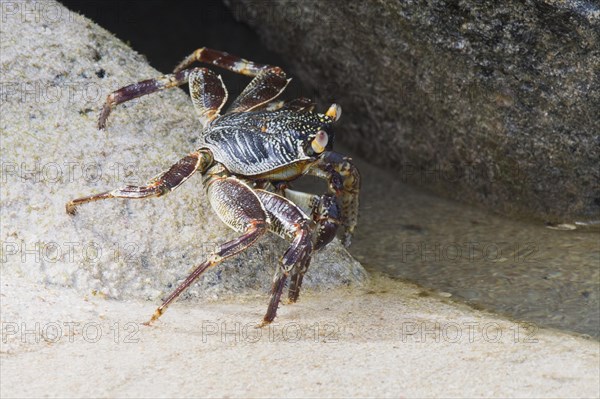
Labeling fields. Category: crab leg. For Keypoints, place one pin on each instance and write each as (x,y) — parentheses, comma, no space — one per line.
(207,90)
(237,206)
(269,81)
(158,186)
(296,281)
(222,60)
(325,213)
(291,223)
(301,104)
(208,93)
(139,89)
(255,229)
(265,87)
(323,209)
(276,289)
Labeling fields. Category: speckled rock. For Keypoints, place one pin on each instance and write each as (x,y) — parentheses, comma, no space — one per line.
(57,69)
(490,103)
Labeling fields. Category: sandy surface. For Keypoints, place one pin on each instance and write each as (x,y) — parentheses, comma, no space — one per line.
(388,339)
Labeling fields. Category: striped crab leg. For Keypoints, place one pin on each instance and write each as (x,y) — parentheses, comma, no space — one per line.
(160,185)
(206,88)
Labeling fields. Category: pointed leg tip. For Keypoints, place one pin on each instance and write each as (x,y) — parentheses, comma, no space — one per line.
(291,299)
(263,323)
(154,317)
(150,322)
(71,208)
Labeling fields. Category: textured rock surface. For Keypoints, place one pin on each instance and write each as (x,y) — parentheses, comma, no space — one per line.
(57,69)
(489,103)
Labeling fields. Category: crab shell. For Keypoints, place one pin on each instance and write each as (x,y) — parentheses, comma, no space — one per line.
(280,144)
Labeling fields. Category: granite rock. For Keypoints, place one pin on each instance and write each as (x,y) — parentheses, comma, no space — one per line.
(57,68)
(495,104)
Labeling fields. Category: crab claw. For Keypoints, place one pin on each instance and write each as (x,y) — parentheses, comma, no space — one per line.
(344,181)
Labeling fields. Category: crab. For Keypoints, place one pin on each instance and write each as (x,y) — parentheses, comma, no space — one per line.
(248,156)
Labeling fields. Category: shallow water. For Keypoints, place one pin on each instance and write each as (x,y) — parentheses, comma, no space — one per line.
(530,272)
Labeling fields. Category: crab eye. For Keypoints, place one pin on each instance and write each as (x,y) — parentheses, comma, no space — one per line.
(320,142)
(334,112)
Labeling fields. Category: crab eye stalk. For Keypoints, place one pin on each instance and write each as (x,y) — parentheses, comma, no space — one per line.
(334,112)
(320,141)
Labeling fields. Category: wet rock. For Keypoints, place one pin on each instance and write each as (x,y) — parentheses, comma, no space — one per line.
(56,72)
(492,104)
